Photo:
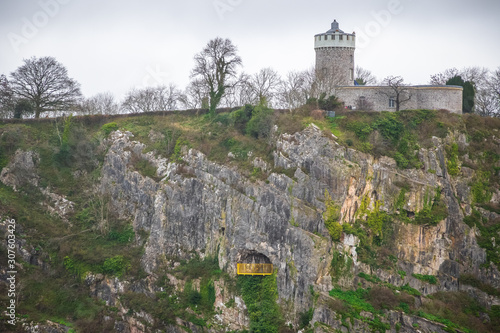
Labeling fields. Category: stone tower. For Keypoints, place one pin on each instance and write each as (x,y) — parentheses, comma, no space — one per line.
(335,55)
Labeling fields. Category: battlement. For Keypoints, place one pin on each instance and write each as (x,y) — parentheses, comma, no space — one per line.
(334,40)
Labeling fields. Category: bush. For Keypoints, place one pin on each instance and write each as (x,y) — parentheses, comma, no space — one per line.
(116,265)
(261,123)
(426,278)
(331,217)
(109,127)
(260,295)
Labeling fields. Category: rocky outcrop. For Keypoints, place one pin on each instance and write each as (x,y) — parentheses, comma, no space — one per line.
(211,209)
(195,206)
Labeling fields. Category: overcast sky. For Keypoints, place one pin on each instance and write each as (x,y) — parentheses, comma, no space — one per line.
(116,45)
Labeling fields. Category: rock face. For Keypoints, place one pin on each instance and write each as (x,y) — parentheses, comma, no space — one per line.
(196,206)
(210,209)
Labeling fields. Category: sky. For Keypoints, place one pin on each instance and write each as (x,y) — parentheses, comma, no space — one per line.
(118,45)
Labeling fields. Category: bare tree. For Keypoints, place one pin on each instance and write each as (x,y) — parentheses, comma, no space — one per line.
(397,90)
(6,98)
(161,98)
(102,103)
(440,79)
(238,92)
(45,83)
(291,92)
(493,92)
(264,85)
(215,66)
(364,77)
(194,95)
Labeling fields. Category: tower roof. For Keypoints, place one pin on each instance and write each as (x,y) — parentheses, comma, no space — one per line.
(335,28)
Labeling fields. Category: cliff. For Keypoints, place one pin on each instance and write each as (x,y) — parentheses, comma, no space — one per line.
(144,225)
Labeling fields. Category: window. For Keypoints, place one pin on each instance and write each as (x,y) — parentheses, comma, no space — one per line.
(351,71)
(333,37)
(341,37)
(392,102)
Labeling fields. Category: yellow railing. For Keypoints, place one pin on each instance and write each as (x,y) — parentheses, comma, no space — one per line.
(255,269)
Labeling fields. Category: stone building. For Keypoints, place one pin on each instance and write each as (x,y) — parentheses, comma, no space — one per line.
(335,60)
(335,55)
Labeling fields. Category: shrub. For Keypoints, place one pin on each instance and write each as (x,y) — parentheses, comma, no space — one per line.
(331,217)
(109,127)
(389,126)
(261,123)
(116,265)
(382,298)
(426,278)
(260,295)
(241,117)
(452,163)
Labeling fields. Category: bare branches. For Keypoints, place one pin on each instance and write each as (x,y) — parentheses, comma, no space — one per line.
(398,91)
(45,83)
(364,77)
(215,65)
(103,103)
(162,98)
(6,98)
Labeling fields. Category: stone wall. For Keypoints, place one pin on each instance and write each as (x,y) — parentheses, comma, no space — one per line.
(376,98)
(336,61)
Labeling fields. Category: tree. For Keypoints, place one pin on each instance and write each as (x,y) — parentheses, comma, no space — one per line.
(397,90)
(45,83)
(151,99)
(480,79)
(494,88)
(263,85)
(194,95)
(102,103)
(291,92)
(23,107)
(468,92)
(6,98)
(215,65)
(365,77)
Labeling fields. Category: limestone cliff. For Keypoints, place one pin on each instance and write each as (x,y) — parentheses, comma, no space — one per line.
(194,207)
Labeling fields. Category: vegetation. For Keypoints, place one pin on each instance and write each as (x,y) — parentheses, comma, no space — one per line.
(331,217)
(260,295)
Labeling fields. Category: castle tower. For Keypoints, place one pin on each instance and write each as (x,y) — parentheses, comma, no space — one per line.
(335,55)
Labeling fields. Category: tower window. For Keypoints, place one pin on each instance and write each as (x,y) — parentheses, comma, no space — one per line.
(351,71)
(392,102)
(341,37)
(333,37)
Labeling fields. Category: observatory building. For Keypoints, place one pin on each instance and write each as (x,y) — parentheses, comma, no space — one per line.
(335,64)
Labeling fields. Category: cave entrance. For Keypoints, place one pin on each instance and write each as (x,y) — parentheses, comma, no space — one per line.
(251,262)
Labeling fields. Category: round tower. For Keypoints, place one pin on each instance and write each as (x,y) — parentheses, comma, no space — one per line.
(335,55)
